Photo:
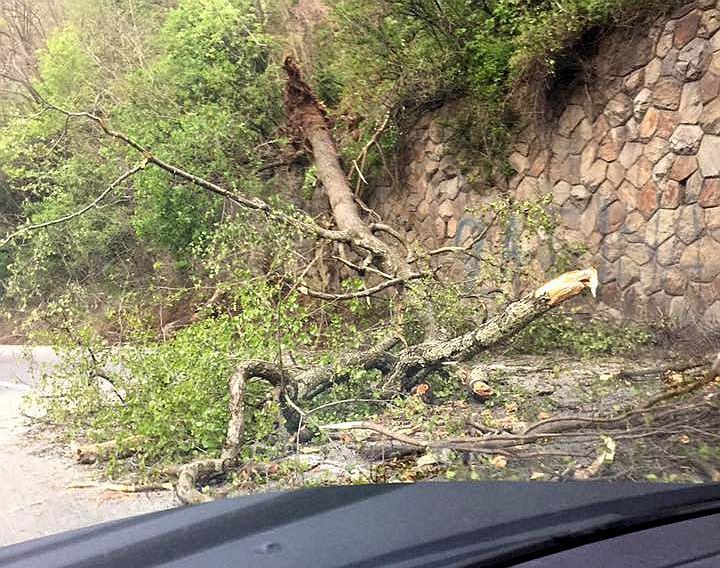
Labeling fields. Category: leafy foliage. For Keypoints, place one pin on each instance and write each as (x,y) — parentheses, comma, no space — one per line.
(580,336)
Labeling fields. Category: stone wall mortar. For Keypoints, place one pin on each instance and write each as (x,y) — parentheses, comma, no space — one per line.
(632,161)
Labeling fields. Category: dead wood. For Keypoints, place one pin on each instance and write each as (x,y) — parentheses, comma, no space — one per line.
(516,315)
(411,362)
(91,453)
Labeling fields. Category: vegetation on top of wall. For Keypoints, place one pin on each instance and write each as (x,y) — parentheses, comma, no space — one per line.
(412,55)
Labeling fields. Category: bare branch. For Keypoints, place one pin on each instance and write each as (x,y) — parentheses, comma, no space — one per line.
(362,294)
(29,228)
(364,425)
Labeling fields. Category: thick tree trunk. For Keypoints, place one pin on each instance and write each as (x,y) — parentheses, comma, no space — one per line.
(308,116)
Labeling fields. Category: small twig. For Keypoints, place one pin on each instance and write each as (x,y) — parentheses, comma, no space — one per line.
(123,487)
(362,294)
(365,425)
(64,219)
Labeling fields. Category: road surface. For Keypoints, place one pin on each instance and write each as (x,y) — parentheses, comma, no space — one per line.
(35,498)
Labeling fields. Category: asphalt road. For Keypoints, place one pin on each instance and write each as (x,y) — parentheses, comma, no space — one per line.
(35,497)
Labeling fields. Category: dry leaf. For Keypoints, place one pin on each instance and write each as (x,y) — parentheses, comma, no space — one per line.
(511,407)
(427,459)
(500,462)
(542,415)
(605,458)
(684,439)
(536,475)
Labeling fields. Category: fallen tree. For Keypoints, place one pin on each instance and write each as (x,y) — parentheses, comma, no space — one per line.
(386,264)
(402,369)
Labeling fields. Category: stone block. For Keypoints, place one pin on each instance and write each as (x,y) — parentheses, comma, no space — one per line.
(711,317)
(662,169)
(712,223)
(690,224)
(569,119)
(440,228)
(710,194)
(669,64)
(539,163)
(709,23)
(561,192)
(687,28)
(639,253)
(691,105)
(612,246)
(606,273)
(451,187)
(667,93)
(627,194)
(683,167)
(582,134)
(661,226)
(652,72)
(611,218)
(648,200)
(650,283)
(667,123)
(693,187)
(634,81)
(686,139)
(670,251)
(446,210)
(649,124)
(701,260)
(672,195)
(627,273)
(629,154)
(693,59)
(709,86)
(658,305)
(618,110)
(560,147)
(656,149)
(708,156)
(664,45)
(640,172)
(451,229)
(634,227)
(430,167)
(615,173)
(594,176)
(674,282)
(642,103)
(710,118)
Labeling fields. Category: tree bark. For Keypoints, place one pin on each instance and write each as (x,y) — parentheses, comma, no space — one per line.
(308,116)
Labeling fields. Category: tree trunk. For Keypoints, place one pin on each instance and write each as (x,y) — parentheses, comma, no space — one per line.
(308,116)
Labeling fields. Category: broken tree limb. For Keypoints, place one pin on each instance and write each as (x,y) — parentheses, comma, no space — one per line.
(365,425)
(513,318)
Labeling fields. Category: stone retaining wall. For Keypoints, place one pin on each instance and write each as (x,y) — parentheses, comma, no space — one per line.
(632,158)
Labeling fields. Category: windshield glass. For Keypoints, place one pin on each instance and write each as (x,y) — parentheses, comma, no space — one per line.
(260,245)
